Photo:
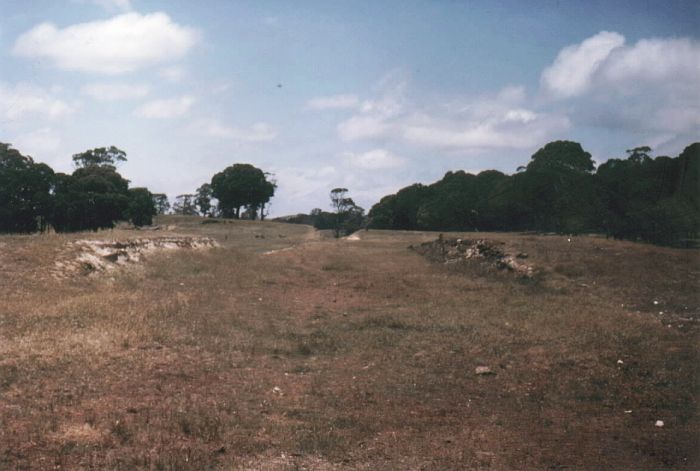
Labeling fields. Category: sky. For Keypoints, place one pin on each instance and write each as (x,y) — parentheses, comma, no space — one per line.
(367,95)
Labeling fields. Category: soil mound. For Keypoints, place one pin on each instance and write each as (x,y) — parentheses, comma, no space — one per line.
(451,251)
(85,257)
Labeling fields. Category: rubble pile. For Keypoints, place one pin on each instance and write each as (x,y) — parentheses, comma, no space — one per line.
(450,251)
(91,256)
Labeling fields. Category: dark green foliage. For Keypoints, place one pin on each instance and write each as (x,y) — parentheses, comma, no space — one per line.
(639,198)
(100,157)
(25,192)
(141,207)
(399,211)
(93,197)
(559,188)
(203,200)
(242,185)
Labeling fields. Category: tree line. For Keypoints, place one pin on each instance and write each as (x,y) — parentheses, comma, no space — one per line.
(95,196)
(560,190)
(345,218)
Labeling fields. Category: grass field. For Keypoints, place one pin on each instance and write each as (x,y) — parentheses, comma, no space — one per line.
(282,349)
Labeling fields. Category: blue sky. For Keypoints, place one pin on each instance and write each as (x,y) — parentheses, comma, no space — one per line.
(368,95)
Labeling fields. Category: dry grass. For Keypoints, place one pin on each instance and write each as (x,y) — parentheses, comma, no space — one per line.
(348,354)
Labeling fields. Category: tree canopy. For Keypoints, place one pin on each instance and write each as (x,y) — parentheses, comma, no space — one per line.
(100,157)
(637,197)
(25,191)
(242,185)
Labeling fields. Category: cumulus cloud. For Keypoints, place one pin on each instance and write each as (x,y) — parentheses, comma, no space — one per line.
(499,120)
(258,132)
(167,108)
(337,102)
(572,70)
(648,87)
(118,45)
(375,159)
(23,100)
(115,91)
(655,60)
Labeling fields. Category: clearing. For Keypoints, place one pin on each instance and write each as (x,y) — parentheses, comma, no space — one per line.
(248,345)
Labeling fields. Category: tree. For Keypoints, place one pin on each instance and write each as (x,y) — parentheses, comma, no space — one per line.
(184,205)
(93,197)
(348,216)
(241,185)
(161,203)
(559,187)
(25,191)
(141,207)
(100,157)
(203,200)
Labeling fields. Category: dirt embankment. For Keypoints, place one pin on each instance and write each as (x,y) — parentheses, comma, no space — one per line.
(92,256)
(450,251)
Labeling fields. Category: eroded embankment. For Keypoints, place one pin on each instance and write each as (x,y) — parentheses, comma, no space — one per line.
(85,257)
(450,251)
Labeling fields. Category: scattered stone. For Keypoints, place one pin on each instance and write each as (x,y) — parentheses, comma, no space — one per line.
(659,423)
(483,370)
(453,251)
(655,302)
(620,362)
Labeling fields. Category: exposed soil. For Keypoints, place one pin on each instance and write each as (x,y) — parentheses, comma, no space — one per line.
(85,257)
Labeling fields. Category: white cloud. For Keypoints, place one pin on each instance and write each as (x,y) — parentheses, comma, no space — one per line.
(258,132)
(121,44)
(572,70)
(337,102)
(115,91)
(520,116)
(476,124)
(167,108)
(499,132)
(650,87)
(374,159)
(655,60)
(24,99)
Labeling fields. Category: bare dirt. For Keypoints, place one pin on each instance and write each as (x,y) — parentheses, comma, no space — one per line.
(279,349)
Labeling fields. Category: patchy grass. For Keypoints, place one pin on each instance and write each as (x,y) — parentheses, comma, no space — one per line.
(348,354)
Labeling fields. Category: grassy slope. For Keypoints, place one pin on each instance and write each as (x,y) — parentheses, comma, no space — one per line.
(348,355)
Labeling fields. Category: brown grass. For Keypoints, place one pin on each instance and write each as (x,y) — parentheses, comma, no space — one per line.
(340,354)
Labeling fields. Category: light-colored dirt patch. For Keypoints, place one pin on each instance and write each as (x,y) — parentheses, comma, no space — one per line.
(93,256)
(79,433)
(271,252)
